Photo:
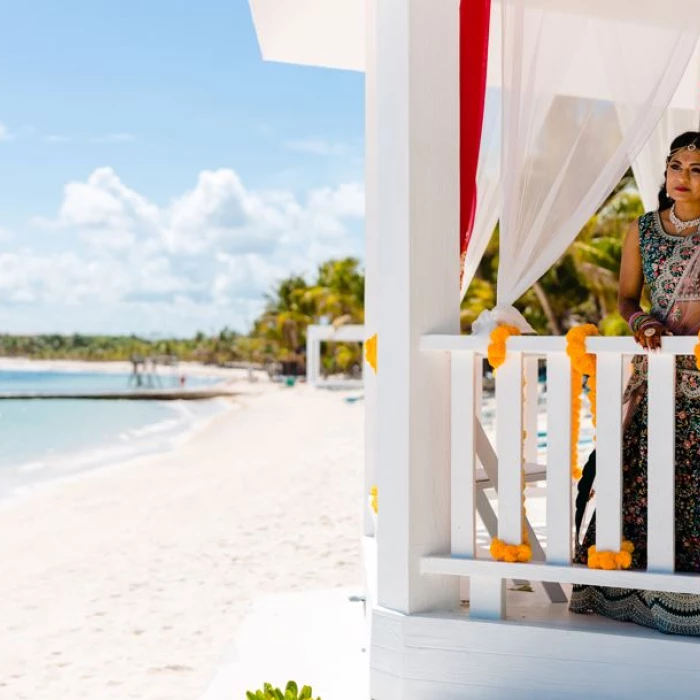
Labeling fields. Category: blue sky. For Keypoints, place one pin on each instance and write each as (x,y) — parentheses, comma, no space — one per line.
(156,175)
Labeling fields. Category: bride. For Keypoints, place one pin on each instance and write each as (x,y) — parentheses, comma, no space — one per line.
(662,252)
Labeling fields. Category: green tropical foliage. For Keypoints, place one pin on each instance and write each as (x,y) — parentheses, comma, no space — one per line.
(581,287)
(335,295)
(291,692)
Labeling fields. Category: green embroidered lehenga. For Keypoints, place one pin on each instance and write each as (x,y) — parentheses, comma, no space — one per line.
(672,274)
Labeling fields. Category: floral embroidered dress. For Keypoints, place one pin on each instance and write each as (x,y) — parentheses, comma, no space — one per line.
(672,274)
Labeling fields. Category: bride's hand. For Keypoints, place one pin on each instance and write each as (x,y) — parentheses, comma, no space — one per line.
(649,337)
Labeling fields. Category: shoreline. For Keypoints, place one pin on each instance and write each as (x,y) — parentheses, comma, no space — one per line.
(147,435)
(132,581)
(106,459)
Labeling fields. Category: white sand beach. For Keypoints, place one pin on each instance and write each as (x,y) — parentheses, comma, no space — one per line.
(131,581)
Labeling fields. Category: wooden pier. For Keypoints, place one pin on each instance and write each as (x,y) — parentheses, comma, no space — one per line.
(126,395)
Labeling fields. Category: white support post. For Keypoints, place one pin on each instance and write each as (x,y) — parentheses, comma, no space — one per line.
(418,217)
(661,547)
(316,350)
(558,459)
(372,271)
(311,343)
(609,452)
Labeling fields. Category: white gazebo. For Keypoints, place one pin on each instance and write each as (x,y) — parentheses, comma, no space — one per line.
(625,64)
(317,334)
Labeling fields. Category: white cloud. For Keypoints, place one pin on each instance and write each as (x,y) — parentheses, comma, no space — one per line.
(211,252)
(320,147)
(5,133)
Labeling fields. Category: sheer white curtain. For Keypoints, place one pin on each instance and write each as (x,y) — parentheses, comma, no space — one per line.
(565,77)
(681,115)
(488,186)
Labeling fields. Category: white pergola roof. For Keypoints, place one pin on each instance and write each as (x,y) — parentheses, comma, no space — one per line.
(331,34)
(322,33)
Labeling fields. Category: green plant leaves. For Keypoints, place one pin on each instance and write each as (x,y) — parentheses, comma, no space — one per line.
(291,692)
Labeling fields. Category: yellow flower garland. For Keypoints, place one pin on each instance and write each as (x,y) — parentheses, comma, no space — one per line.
(497,347)
(374,498)
(582,363)
(371,352)
(611,560)
(500,550)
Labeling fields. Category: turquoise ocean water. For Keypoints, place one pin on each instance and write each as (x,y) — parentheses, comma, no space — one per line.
(42,441)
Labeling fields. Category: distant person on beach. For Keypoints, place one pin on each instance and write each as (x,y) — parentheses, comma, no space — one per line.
(661,252)
(183,380)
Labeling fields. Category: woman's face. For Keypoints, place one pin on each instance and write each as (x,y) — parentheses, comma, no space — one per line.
(683,176)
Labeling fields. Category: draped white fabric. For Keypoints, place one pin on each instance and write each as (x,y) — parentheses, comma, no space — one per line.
(562,154)
(488,187)
(648,167)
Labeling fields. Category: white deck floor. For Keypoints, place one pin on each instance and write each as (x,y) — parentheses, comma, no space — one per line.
(320,638)
(315,638)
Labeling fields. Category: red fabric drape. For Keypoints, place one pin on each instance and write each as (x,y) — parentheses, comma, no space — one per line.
(474,19)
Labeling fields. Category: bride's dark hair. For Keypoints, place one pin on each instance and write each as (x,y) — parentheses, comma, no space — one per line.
(688,138)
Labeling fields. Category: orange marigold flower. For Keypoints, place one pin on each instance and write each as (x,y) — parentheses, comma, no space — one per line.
(523,553)
(627,546)
(497,347)
(607,561)
(497,549)
(624,560)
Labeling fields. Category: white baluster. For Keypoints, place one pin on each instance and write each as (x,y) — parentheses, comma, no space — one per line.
(661,474)
(559,532)
(531,407)
(609,452)
(463,453)
(509,428)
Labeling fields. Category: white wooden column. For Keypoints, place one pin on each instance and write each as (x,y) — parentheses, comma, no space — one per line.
(311,344)
(372,286)
(418,289)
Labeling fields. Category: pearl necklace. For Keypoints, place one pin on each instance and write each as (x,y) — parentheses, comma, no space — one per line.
(682,225)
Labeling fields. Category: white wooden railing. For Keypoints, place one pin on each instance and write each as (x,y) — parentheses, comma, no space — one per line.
(470,449)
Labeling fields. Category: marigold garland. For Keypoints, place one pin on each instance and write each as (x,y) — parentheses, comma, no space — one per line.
(582,363)
(497,347)
(374,498)
(371,352)
(500,550)
(611,560)
(697,352)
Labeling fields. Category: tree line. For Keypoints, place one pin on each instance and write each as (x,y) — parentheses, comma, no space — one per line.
(581,287)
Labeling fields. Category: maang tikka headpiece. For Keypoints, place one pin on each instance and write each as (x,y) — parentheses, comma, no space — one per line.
(690,147)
